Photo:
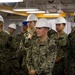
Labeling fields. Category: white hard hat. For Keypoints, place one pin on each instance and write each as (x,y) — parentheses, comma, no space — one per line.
(12,25)
(1,18)
(60,20)
(32,17)
(50,24)
(42,23)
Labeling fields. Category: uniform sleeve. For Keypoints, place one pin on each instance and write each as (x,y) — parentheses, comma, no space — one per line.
(46,67)
(29,58)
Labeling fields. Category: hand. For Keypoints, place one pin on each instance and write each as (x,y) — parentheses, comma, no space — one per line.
(32,72)
(30,36)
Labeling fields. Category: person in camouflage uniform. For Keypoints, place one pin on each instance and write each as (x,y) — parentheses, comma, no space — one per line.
(42,53)
(20,37)
(8,55)
(71,52)
(26,43)
(60,39)
(17,41)
(11,29)
(14,66)
(4,49)
(26,40)
(32,19)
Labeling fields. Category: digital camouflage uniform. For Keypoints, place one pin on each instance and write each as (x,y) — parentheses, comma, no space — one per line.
(61,54)
(51,32)
(18,39)
(41,56)
(71,53)
(27,42)
(4,53)
(13,57)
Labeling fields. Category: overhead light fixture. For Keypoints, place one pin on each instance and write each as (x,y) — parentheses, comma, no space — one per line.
(25,9)
(10,1)
(47,13)
(52,14)
(35,12)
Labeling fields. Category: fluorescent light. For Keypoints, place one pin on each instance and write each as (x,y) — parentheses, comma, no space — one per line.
(7,11)
(36,12)
(50,14)
(25,9)
(4,1)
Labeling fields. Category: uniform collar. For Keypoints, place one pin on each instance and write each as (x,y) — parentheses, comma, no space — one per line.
(61,35)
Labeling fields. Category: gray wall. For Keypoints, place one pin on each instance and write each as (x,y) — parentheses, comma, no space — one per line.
(7,22)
